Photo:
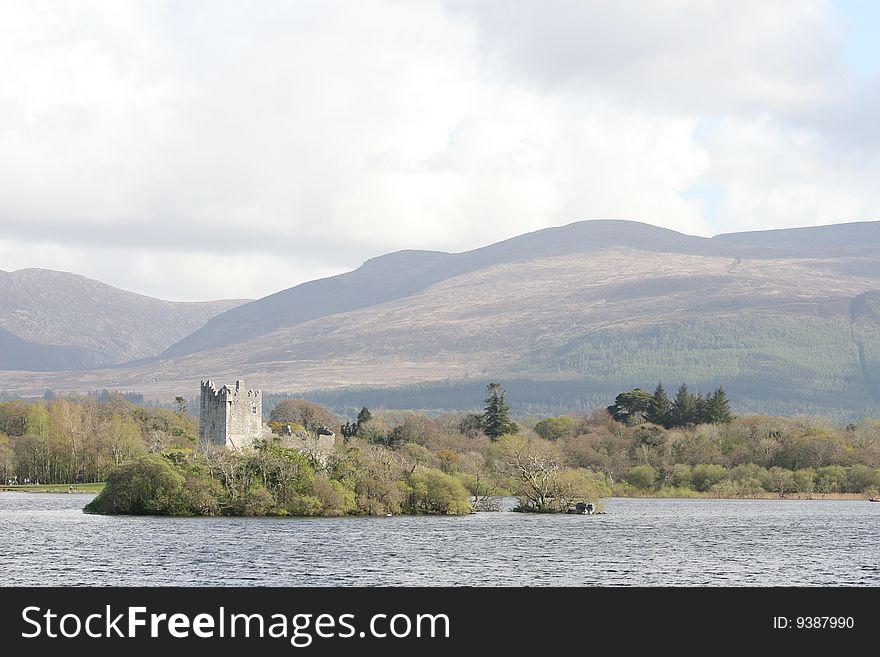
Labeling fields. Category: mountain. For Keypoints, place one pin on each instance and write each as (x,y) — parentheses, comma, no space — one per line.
(399,275)
(52,320)
(859,238)
(571,314)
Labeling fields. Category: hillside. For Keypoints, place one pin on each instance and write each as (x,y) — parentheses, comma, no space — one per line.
(399,275)
(583,310)
(51,320)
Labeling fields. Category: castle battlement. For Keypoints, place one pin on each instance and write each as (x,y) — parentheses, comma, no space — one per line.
(210,388)
(229,417)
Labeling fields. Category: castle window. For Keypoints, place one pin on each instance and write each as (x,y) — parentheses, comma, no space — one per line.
(254,409)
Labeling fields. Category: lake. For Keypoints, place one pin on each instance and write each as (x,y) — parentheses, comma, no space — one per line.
(47,540)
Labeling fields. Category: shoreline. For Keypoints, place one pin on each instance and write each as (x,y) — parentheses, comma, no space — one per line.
(88,489)
(795,497)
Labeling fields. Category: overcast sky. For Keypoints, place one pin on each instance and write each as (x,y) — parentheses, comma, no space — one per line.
(198,150)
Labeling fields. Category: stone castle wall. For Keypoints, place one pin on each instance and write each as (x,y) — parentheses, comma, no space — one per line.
(228,417)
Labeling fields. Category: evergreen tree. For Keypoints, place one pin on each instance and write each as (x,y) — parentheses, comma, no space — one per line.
(661,407)
(364,416)
(350,429)
(719,407)
(496,421)
(701,416)
(684,407)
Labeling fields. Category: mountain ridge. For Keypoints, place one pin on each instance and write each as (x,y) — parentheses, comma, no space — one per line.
(66,321)
(606,303)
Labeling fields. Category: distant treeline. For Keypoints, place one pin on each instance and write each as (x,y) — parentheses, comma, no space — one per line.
(637,407)
(103,395)
(546,398)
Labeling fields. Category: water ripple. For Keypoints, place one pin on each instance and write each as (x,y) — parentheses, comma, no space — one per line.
(48,541)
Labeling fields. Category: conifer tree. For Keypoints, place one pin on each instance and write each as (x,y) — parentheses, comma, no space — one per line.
(684,407)
(719,407)
(496,420)
(661,407)
(364,416)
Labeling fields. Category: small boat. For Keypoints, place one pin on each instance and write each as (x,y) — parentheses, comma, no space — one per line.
(583,509)
(874,499)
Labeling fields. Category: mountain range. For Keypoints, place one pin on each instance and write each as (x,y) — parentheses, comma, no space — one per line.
(786,320)
(52,320)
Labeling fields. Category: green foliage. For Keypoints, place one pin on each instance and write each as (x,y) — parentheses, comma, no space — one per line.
(831,479)
(150,485)
(718,408)
(434,491)
(660,411)
(641,477)
(681,475)
(496,416)
(685,408)
(14,418)
(706,475)
(554,428)
(769,361)
(360,426)
(631,408)
(637,407)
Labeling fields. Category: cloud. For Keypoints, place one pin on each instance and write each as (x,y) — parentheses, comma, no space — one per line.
(692,56)
(158,145)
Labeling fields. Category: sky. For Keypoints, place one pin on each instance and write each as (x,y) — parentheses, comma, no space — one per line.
(229,149)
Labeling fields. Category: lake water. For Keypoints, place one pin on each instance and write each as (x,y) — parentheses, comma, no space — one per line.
(47,540)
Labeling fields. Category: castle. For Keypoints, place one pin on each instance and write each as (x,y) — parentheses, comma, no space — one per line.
(230,418)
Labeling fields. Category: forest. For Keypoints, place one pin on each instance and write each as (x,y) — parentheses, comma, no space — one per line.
(768,366)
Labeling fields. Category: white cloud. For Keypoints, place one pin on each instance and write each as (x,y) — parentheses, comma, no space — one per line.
(155,145)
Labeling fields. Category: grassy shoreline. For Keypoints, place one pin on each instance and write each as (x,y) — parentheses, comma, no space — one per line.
(848,497)
(54,488)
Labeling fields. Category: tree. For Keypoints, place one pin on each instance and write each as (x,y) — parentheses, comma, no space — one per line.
(151,485)
(496,421)
(356,428)
(364,416)
(434,491)
(312,416)
(684,407)
(632,408)
(554,428)
(660,409)
(706,475)
(7,459)
(718,408)
(642,477)
(124,439)
(538,479)
(534,466)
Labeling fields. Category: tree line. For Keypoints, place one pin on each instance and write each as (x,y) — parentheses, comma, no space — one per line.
(408,462)
(80,439)
(637,407)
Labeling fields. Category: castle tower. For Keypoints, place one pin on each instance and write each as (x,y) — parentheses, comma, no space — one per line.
(231,418)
